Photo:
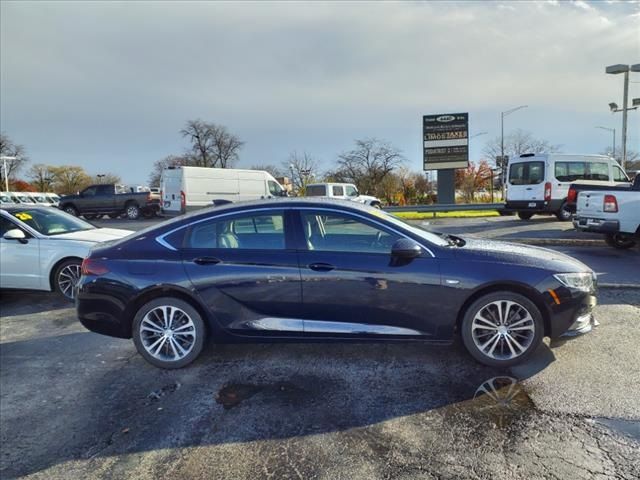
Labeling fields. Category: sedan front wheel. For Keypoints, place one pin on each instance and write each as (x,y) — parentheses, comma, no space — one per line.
(66,277)
(168,332)
(502,329)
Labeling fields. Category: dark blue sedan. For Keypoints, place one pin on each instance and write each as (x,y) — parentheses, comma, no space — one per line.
(321,270)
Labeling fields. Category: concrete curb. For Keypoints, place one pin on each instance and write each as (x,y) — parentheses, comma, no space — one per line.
(620,286)
(570,242)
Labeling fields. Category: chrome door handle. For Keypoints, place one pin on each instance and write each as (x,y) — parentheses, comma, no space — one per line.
(206,261)
(321,267)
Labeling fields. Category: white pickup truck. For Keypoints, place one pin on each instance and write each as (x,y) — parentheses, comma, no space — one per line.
(614,212)
(346,191)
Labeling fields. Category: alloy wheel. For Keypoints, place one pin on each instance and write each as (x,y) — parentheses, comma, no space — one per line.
(167,333)
(503,330)
(68,278)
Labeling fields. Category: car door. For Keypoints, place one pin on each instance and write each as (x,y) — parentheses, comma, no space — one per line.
(351,285)
(104,200)
(245,269)
(19,262)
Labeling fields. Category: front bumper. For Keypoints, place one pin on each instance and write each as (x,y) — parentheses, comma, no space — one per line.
(597,225)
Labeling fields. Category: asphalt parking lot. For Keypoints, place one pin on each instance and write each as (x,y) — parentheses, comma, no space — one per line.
(75,404)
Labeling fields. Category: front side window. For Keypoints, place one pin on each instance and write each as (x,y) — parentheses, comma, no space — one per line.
(351,191)
(570,171)
(619,175)
(526,173)
(338,191)
(258,231)
(335,232)
(89,192)
(274,188)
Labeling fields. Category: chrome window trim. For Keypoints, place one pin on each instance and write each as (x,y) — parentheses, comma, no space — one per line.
(161,238)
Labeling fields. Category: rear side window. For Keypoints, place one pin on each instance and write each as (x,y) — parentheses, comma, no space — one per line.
(598,171)
(254,232)
(338,191)
(570,171)
(526,173)
(315,191)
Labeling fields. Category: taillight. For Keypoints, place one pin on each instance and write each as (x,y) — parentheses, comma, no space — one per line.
(572,195)
(183,200)
(610,204)
(91,266)
(547,191)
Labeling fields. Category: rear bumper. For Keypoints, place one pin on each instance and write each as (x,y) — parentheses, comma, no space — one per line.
(597,225)
(533,205)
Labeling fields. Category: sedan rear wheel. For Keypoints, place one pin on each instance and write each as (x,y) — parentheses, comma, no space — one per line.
(502,329)
(168,332)
(619,240)
(66,277)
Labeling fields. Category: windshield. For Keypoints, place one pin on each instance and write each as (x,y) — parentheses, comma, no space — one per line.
(25,199)
(422,233)
(40,198)
(50,221)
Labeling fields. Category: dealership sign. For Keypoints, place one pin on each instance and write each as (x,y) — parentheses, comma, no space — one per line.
(445,141)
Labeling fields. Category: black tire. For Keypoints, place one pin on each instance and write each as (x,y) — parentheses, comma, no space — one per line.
(148,214)
(525,215)
(564,214)
(71,210)
(145,340)
(530,339)
(132,211)
(620,240)
(69,270)
(88,216)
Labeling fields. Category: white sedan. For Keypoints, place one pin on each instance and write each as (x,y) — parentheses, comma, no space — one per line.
(41,248)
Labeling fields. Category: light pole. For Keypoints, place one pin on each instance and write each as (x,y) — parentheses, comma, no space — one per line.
(502,162)
(6,171)
(614,70)
(100,176)
(613,131)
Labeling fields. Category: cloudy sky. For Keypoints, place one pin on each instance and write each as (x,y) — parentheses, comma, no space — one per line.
(108,85)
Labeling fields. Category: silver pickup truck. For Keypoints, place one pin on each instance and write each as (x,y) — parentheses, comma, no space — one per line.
(614,212)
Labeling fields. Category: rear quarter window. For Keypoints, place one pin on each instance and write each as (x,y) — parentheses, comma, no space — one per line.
(570,171)
(315,191)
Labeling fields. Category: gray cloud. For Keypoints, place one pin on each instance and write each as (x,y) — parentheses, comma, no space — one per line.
(111,83)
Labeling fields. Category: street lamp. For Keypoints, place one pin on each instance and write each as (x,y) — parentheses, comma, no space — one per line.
(6,171)
(612,130)
(502,162)
(614,70)
(100,176)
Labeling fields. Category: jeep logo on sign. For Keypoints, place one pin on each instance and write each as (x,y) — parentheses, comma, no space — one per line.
(446,118)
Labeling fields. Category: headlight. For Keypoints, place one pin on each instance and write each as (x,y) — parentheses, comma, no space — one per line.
(579,281)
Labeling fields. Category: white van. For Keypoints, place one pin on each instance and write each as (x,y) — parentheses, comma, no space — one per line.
(188,188)
(539,183)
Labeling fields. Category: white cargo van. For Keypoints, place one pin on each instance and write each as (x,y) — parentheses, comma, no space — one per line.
(188,188)
(539,183)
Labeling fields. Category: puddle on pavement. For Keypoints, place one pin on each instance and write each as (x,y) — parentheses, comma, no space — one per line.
(234,394)
(499,401)
(629,428)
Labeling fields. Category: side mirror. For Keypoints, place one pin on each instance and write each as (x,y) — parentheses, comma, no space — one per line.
(406,248)
(15,234)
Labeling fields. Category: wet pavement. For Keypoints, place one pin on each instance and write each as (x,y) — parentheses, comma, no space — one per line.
(74,404)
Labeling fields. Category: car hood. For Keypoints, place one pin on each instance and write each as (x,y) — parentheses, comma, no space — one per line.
(95,235)
(518,254)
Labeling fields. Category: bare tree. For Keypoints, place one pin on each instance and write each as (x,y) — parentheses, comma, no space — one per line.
(368,163)
(226,146)
(10,149)
(70,179)
(42,177)
(169,161)
(211,145)
(302,168)
(516,143)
